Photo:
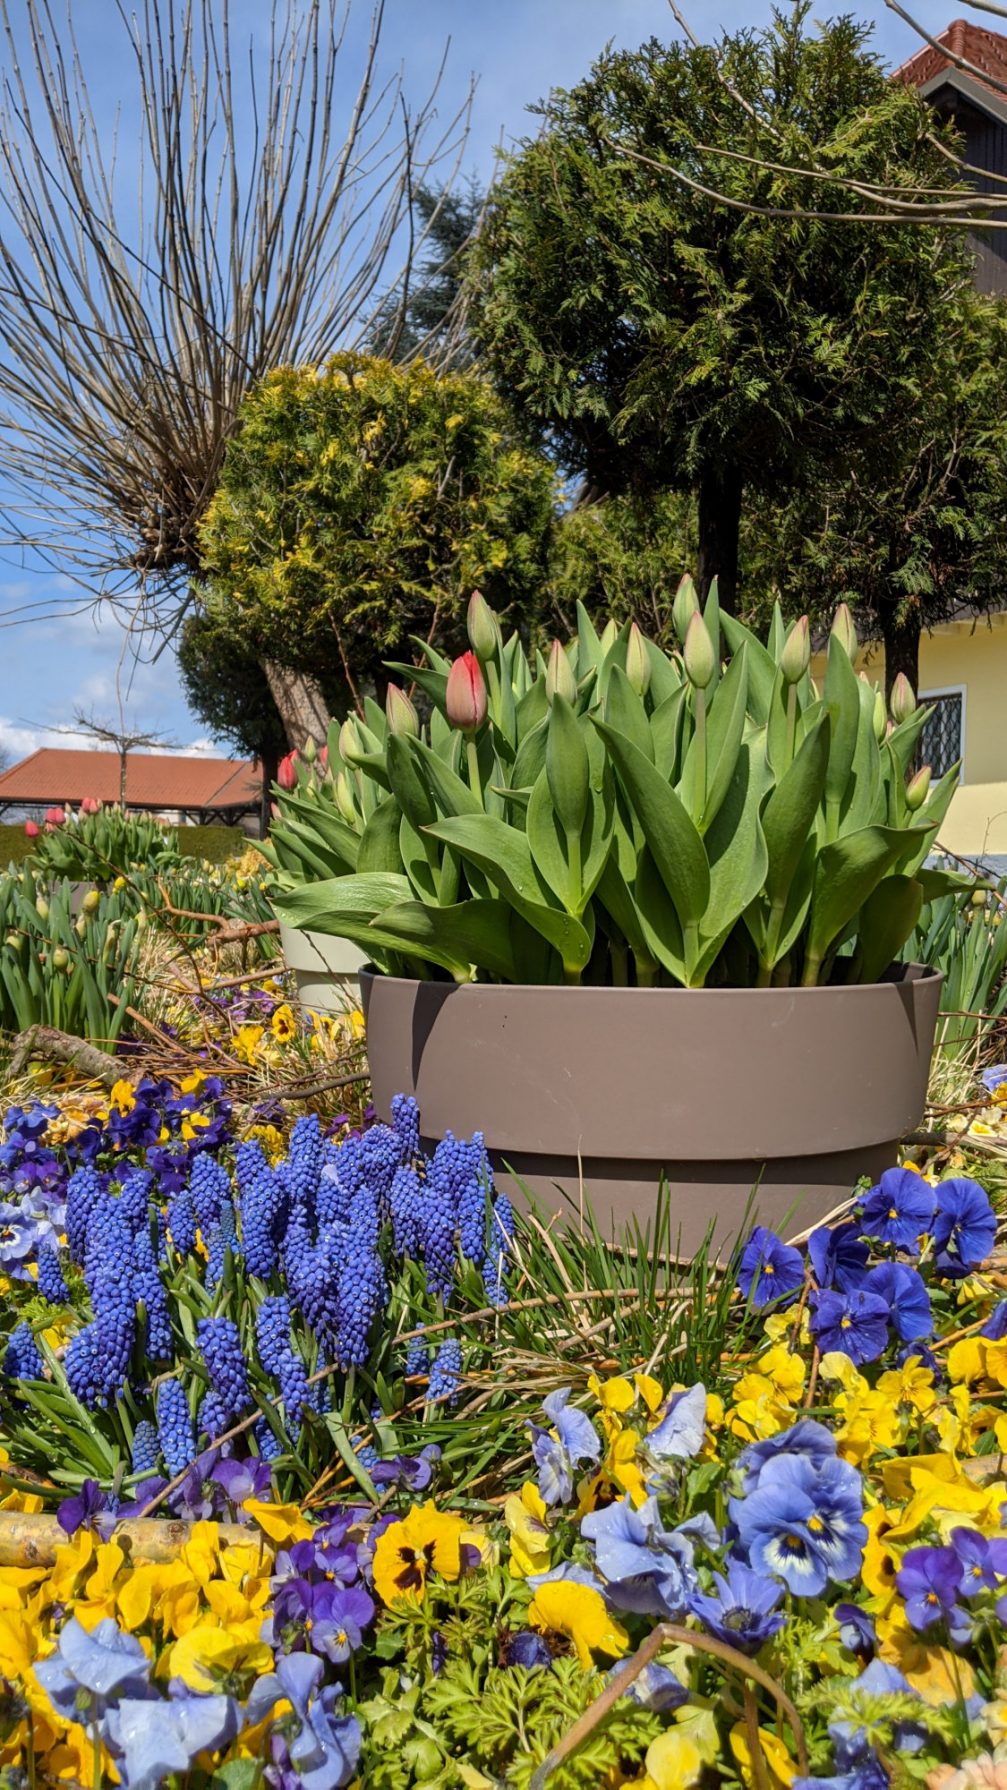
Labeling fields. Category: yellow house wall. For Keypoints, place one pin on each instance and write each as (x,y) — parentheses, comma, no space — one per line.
(973,655)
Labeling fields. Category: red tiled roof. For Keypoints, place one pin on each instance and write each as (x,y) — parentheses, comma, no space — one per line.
(153,779)
(985,50)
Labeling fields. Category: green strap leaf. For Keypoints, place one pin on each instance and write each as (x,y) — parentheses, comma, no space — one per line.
(470,933)
(887,920)
(503,854)
(671,834)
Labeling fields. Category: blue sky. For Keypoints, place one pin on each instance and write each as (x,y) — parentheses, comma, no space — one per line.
(517,50)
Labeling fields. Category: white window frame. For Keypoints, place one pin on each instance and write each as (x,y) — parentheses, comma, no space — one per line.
(961,690)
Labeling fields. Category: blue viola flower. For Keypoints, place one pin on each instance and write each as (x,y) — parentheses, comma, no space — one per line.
(965,1226)
(855,1323)
(743,1608)
(526,1648)
(558,1456)
(20,1237)
(904,1291)
(802,1525)
(88,1671)
(982,1561)
(91,1508)
(856,1630)
(899,1209)
(324,1748)
(839,1256)
(930,1580)
(850,1738)
(655,1688)
(770,1271)
(150,1738)
(995,1327)
(649,1569)
(807,1439)
(680,1432)
(995,1077)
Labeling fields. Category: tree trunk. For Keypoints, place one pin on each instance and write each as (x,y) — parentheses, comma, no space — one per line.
(901,635)
(719,525)
(300,703)
(270,765)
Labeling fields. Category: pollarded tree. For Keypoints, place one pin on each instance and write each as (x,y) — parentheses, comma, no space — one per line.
(660,339)
(363,501)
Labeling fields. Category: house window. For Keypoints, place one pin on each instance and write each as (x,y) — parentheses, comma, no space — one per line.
(942,742)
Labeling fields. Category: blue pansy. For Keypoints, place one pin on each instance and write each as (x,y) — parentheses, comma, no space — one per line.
(808,1439)
(324,1748)
(150,1739)
(680,1433)
(965,1226)
(770,1270)
(839,1256)
(855,1323)
(88,1671)
(802,1525)
(742,1608)
(558,1456)
(904,1292)
(899,1209)
(649,1569)
(856,1630)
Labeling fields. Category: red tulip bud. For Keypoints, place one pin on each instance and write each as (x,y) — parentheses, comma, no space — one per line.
(54,817)
(465,698)
(31,830)
(90,805)
(286,773)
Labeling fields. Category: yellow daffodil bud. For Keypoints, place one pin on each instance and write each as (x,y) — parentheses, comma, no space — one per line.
(91,901)
(902,700)
(637,661)
(796,655)
(42,907)
(559,674)
(844,631)
(698,652)
(60,958)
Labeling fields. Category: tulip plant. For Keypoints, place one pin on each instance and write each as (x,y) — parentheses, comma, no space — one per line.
(617,814)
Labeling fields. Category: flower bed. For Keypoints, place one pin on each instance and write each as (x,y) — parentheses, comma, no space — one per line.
(324,1467)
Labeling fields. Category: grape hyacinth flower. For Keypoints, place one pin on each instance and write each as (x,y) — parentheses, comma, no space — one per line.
(406,1202)
(51,1284)
(417,1360)
(446,1372)
(83,1190)
(148,1288)
(174,1427)
(22,1360)
(146,1448)
(220,1347)
(209,1187)
(182,1222)
(406,1124)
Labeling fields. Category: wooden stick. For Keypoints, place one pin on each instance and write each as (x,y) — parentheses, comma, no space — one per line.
(32,1539)
(60,1047)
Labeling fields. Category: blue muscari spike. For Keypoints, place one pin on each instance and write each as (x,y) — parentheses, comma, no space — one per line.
(303,1167)
(146,1447)
(272,1331)
(220,1347)
(209,1186)
(406,1123)
(229,1227)
(182,1222)
(472,1203)
(263,1209)
(417,1357)
(437,1233)
(406,1201)
(134,1200)
(103,1362)
(215,1257)
(51,1284)
(501,1233)
(266,1443)
(332,1201)
(148,1287)
(174,1427)
(83,1190)
(212,1419)
(22,1360)
(362,1286)
(84,1367)
(367,1455)
(381,1149)
(445,1374)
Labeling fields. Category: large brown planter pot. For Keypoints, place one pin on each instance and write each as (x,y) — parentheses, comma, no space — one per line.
(800,1090)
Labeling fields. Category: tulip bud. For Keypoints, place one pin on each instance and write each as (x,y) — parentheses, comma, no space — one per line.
(609,636)
(482,628)
(698,652)
(90,901)
(286,771)
(42,908)
(399,712)
(465,697)
(348,740)
(559,674)
(917,789)
(685,606)
(309,751)
(880,717)
(637,661)
(60,958)
(902,701)
(344,799)
(796,655)
(844,631)
(30,829)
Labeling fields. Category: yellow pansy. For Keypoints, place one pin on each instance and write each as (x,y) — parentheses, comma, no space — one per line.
(237,1611)
(651,1392)
(192,1083)
(781,1769)
(122,1097)
(247,1039)
(426,1540)
(880,1563)
(675,1760)
(563,1607)
(757,1411)
(786,1371)
(283,1024)
(525,1516)
(193,1124)
(202,1551)
(283,1523)
(69,1563)
(620,1471)
(966,1360)
(911,1385)
(836,1367)
(151,1591)
(206,1655)
(870,1421)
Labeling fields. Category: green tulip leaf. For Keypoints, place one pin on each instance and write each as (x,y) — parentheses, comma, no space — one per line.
(668,828)
(888,917)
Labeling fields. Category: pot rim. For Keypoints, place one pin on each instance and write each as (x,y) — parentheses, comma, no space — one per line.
(924,973)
